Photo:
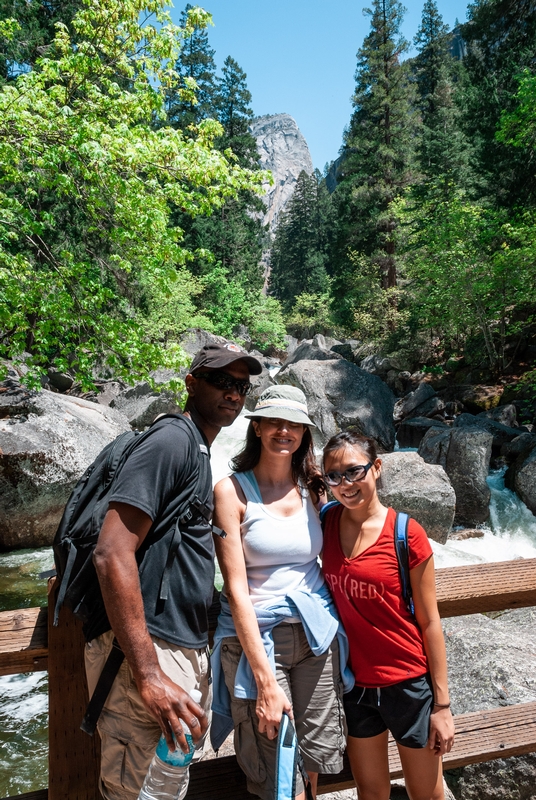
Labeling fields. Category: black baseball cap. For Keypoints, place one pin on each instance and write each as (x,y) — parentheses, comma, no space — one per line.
(218,355)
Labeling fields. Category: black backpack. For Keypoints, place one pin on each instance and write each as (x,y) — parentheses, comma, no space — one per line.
(78,532)
(401,548)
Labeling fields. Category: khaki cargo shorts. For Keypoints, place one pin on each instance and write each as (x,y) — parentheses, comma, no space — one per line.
(313,684)
(129,734)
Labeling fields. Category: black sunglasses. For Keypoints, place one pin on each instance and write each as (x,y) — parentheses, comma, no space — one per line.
(352,474)
(220,380)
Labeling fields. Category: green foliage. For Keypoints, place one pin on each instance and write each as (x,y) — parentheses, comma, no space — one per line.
(232,102)
(35,21)
(518,127)
(195,68)
(87,185)
(500,38)
(229,304)
(443,148)
(471,272)
(310,314)
(300,249)
(378,157)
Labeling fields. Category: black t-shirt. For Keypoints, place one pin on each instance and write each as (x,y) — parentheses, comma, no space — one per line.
(159,474)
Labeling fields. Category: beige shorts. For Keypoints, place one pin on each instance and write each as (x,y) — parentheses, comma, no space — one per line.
(313,685)
(129,734)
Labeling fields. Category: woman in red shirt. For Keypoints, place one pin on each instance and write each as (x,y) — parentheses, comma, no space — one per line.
(398,660)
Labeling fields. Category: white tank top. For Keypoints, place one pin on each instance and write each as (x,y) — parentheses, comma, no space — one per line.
(281,553)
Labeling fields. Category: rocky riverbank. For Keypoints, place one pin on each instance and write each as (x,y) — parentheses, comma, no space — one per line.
(457,432)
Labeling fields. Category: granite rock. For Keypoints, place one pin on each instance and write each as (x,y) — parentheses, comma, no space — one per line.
(422,490)
(44,449)
(282,150)
(340,395)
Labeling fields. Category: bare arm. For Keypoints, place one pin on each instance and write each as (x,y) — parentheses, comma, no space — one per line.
(271,699)
(424,596)
(123,531)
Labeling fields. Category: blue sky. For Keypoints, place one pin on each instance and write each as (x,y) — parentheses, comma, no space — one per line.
(300,56)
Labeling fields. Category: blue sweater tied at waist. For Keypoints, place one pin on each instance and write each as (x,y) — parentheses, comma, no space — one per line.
(320,623)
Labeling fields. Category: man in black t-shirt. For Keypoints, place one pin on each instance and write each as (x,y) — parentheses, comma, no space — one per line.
(164,642)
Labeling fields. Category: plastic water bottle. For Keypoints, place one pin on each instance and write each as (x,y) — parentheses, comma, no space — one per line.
(168,774)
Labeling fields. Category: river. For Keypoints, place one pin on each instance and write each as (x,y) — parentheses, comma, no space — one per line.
(23,698)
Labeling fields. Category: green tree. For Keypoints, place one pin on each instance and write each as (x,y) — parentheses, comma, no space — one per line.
(87,185)
(378,156)
(36,20)
(196,69)
(232,237)
(300,249)
(473,275)
(232,102)
(443,148)
(500,39)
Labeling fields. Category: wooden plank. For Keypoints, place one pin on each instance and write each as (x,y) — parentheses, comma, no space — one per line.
(460,590)
(23,641)
(485,735)
(486,587)
(480,736)
(73,755)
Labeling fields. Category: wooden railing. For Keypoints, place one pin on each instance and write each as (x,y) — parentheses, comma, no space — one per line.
(29,642)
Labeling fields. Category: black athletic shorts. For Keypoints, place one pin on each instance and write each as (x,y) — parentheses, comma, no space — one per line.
(403,708)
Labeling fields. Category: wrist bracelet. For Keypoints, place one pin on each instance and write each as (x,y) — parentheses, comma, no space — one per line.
(442,705)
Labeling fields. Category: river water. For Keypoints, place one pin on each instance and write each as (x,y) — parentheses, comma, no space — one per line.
(23,698)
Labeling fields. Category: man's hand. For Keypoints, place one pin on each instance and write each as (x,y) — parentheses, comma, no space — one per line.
(169,704)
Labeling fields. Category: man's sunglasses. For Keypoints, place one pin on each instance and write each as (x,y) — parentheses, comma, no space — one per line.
(224,382)
(352,474)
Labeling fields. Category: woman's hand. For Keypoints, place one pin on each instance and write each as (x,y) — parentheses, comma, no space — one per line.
(441,736)
(271,703)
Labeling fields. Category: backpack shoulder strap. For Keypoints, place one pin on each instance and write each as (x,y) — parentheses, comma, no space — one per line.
(192,504)
(402,554)
(324,510)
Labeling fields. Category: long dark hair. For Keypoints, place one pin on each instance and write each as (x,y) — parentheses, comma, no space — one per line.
(303,466)
(352,438)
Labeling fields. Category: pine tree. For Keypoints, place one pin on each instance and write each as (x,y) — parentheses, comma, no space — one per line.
(300,250)
(37,20)
(378,155)
(196,60)
(433,42)
(234,235)
(443,148)
(232,101)
(500,38)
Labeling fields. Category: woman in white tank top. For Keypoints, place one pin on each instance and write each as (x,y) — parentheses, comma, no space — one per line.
(272,586)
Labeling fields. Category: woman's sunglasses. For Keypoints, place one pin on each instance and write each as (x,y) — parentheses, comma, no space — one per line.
(352,474)
(224,382)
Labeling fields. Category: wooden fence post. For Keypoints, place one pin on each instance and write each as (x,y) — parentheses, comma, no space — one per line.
(74,757)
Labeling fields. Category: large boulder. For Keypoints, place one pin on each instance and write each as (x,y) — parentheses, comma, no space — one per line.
(507,415)
(141,404)
(411,431)
(476,398)
(409,405)
(521,477)
(193,339)
(45,446)
(501,433)
(491,663)
(522,444)
(340,395)
(422,490)
(312,350)
(464,454)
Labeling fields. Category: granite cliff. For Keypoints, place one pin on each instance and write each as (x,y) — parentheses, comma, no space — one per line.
(284,151)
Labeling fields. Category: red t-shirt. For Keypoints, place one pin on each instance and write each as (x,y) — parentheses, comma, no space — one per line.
(385,643)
